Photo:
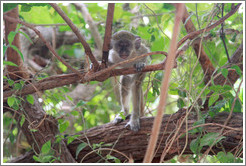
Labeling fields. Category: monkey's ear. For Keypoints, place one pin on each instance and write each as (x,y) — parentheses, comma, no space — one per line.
(137,42)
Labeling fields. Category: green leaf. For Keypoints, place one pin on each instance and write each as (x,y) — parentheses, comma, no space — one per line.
(110,157)
(36,158)
(237,106)
(152,38)
(79,148)
(11,37)
(4,49)
(182,93)
(17,50)
(46,147)
(24,34)
(23,118)
(238,70)
(70,98)
(22,82)
(33,130)
(210,139)
(10,82)
(212,99)
(216,88)
(75,113)
(226,157)
(71,138)
(80,103)
(9,6)
(227,88)
(194,146)
(63,126)
(46,158)
(198,129)
(9,63)
(224,72)
(17,86)
(11,101)
(25,8)
(30,99)
(180,103)
(121,114)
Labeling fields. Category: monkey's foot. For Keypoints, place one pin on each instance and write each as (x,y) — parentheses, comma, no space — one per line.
(133,124)
(119,118)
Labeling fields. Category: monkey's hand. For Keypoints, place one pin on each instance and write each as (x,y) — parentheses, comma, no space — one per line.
(134,124)
(139,66)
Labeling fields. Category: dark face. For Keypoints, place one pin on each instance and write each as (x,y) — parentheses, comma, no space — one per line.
(123,48)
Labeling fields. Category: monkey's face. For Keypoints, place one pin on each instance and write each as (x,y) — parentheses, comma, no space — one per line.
(124,48)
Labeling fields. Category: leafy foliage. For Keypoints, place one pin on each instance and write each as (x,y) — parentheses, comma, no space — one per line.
(154,23)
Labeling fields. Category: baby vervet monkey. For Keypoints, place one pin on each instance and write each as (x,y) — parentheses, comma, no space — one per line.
(126,45)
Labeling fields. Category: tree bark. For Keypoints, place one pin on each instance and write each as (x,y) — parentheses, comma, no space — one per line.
(134,145)
(18,72)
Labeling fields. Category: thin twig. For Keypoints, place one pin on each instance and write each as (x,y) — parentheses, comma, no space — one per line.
(89,20)
(222,35)
(169,145)
(192,35)
(157,22)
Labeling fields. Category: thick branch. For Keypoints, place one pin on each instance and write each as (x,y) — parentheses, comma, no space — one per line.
(66,79)
(137,142)
(134,144)
(205,62)
(77,32)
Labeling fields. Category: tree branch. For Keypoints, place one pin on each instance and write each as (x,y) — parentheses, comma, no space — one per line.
(205,62)
(77,32)
(66,79)
(108,34)
(133,144)
(93,28)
